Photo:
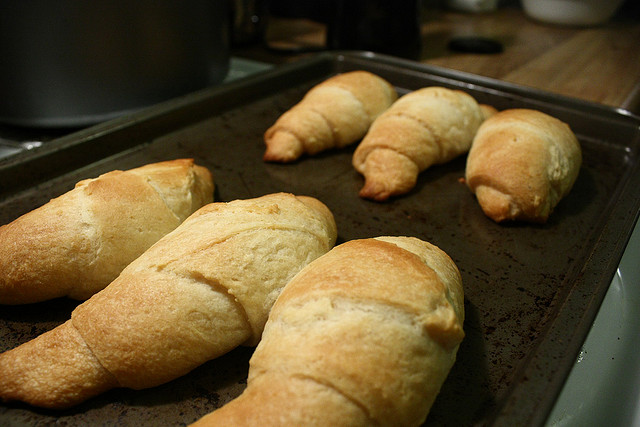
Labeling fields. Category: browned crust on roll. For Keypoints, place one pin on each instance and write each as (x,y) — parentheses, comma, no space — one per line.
(521,164)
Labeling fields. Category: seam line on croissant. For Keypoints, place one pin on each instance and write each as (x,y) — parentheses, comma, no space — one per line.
(94,355)
(430,324)
(327,122)
(428,128)
(391,148)
(90,228)
(487,181)
(218,287)
(213,285)
(151,184)
(168,266)
(327,384)
(223,239)
(360,103)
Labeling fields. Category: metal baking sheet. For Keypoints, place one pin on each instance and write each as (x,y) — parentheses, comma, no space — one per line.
(531,291)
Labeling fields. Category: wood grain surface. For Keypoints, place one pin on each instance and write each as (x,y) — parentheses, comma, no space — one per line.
(599,64)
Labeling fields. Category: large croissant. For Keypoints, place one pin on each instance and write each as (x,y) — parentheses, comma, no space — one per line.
(521,164)
(77,243)
(334,113)
(364,335)
(428,126)
(202,290)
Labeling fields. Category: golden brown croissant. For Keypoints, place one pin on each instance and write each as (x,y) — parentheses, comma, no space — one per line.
(334,113)
(521,164)
(202,290)
(429,126)
(77,243)
(364,335)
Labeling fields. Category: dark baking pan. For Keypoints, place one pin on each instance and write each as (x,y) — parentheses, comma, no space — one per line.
(532,291)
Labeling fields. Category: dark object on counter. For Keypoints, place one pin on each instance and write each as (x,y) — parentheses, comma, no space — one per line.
(475,44)
(249,21)
(382,26)
(379,26)
(74,62)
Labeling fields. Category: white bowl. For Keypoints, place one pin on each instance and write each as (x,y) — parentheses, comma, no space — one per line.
(571,12)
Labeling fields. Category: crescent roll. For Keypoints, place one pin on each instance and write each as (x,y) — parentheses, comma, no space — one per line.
(333,114)
(521,164)
(77,243)
(364,335)
(200,291)
(425,127)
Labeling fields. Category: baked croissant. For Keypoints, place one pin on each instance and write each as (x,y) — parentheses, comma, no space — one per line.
(77,243)
(202,290)
(333,114)
(521,164)
(428,126)
(364,335)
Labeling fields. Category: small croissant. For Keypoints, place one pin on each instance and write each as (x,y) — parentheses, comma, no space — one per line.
(521,164)
(429,126)
(333,114)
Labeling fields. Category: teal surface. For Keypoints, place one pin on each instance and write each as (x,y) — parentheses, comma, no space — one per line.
(603,388)
(241,67)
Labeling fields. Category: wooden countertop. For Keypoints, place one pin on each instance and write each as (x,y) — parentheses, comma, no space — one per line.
(599,64)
